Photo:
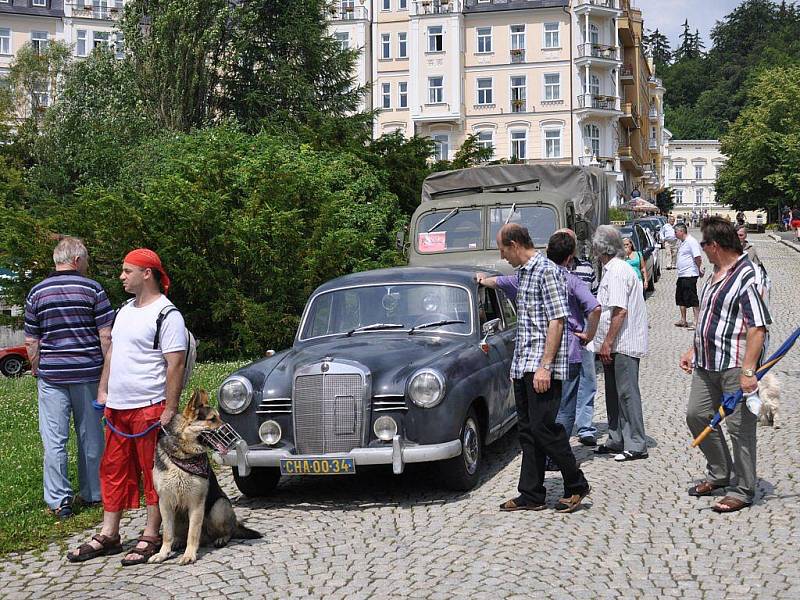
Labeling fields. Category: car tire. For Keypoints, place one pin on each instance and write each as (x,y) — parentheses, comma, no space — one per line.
(461,473)
(261,481)
(12,366)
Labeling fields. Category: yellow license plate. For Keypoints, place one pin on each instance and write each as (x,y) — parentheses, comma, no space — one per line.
(317,466)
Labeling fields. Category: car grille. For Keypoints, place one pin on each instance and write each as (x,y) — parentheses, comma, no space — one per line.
(330,412)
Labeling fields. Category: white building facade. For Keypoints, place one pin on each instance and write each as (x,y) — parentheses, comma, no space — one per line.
(691,171)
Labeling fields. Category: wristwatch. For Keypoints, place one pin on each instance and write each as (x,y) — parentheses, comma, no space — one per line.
(748,372)
(547,366)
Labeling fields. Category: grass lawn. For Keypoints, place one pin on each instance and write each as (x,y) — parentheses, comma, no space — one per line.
(25,523)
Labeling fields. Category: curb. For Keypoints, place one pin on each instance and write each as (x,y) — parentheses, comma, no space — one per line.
(792,245)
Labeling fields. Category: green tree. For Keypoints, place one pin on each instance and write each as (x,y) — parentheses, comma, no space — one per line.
(763,145)
(665,200)
(658,45)
(471,154)
(35,76)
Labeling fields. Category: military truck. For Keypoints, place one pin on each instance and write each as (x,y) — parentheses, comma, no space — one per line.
(461,211)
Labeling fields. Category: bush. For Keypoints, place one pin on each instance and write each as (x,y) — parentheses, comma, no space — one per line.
(246,226)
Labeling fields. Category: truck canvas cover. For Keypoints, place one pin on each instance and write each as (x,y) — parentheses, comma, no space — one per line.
(581,184)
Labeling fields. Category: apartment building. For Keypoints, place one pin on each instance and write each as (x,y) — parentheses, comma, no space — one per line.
(84,24)
(537,80)
(691,171)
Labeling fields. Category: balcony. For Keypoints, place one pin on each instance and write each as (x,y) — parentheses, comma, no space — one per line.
(653,144)
(598,104)
(517,55)
(435,7)
(629,157)
(602,162)
(653,114)
(626,73)
(345,12)
(107,10)
(605,54)
(630,116)
(625,31)
(608,8)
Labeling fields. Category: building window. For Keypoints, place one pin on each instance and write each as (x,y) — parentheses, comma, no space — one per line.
(485,139)
(435,39)
(698,196)
(343,38)
(347,10)
(591,138)
(518,37)
(402,94)
(552,143)
(100,39)
(5,40)
(402,5)
(402,45)
(594,34)
(484,39)
(39,3)
(698,171)
(387,4)
(386,95)
(678,196)
(40,99)
(518,93)
(678,171)
(594,85)
(552,86)
(118,44)
(435,90)
(39,41)
(551,35)
(441,146)
(485,91)
(80,45)
(519,144)
(386,45)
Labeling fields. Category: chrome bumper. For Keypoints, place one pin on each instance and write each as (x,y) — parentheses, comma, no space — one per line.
(398,454)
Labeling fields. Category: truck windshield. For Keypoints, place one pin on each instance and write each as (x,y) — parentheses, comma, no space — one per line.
(539,220)
(370,309)
(461,231)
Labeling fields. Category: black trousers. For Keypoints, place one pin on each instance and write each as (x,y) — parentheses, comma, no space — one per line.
(540,436)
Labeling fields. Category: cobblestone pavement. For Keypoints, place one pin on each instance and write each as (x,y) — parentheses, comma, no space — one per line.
(374,535)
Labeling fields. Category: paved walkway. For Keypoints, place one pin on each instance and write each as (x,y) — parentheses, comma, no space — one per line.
(374,535)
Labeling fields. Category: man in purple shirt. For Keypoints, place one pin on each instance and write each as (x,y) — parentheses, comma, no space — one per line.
(584,314)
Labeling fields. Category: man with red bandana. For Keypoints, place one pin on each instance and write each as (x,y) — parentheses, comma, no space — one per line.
(140,387)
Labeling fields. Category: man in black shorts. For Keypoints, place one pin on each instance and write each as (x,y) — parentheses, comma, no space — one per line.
(690,268)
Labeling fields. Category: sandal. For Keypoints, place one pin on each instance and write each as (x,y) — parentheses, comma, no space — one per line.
(520,504)
(153,545)
(704,488)
(571,504)
(681,324)
(730,504)
(108,545)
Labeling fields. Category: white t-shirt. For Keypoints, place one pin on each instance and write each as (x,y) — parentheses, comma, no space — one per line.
(687,252)
(668,232)
(621,287)
(138,375)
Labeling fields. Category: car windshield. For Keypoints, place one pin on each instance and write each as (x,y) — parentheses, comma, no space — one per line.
(354,310)
(540,221)
(446,230)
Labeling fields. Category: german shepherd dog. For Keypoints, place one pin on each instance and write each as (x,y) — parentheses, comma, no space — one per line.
(194,509)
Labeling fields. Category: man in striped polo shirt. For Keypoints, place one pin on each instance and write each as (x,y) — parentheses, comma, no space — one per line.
(728,345)
(67,333)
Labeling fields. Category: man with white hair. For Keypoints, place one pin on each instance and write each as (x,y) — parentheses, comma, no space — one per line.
(67,333)
(620,342)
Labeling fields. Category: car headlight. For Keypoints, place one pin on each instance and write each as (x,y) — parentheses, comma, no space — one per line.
(235,394)
(426,388)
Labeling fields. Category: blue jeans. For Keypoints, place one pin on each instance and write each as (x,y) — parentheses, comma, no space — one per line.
(577,397)
(56,402)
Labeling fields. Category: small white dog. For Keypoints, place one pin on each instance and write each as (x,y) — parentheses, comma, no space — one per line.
(769,390)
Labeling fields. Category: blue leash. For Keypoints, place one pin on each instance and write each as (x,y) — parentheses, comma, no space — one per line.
(108,424)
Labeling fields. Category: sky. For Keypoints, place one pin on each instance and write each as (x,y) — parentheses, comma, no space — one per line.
(668,16)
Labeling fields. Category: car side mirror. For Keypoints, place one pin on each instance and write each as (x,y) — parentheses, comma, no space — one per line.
(582,230)
(401,240)
(491,327)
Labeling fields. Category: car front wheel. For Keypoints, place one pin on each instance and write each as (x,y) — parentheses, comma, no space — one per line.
(260,482)
(12,366)
(461,473)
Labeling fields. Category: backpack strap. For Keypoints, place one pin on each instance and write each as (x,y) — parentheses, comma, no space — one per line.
(161,316)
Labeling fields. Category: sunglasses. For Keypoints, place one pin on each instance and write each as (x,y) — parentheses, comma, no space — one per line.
(704,243)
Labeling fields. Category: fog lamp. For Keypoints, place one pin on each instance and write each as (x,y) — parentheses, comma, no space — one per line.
(385,428)
(270,433)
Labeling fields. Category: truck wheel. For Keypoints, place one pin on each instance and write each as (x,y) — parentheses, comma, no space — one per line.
(12,366)
(461,473)
(260,482)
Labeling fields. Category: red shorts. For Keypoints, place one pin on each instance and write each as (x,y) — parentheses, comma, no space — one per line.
(124,459)
(795,224)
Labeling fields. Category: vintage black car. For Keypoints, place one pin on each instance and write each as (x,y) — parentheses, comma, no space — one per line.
(388,367)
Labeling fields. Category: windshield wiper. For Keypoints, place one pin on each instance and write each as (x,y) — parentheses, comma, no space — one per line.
(375,326)
(435,323)
(511,213)
(447,217)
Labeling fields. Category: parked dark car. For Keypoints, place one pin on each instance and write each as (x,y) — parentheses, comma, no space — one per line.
(645,245)
(14,361)
(653,225)
(388,367)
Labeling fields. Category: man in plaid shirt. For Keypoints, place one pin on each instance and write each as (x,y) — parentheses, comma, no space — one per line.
(537,369)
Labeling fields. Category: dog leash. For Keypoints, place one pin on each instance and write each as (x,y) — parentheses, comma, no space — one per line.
(110,425)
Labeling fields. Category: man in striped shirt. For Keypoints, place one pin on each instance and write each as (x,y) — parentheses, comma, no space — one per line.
(728,345)
(67,333)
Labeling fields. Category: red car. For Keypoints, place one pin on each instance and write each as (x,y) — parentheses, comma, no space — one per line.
(14,361)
